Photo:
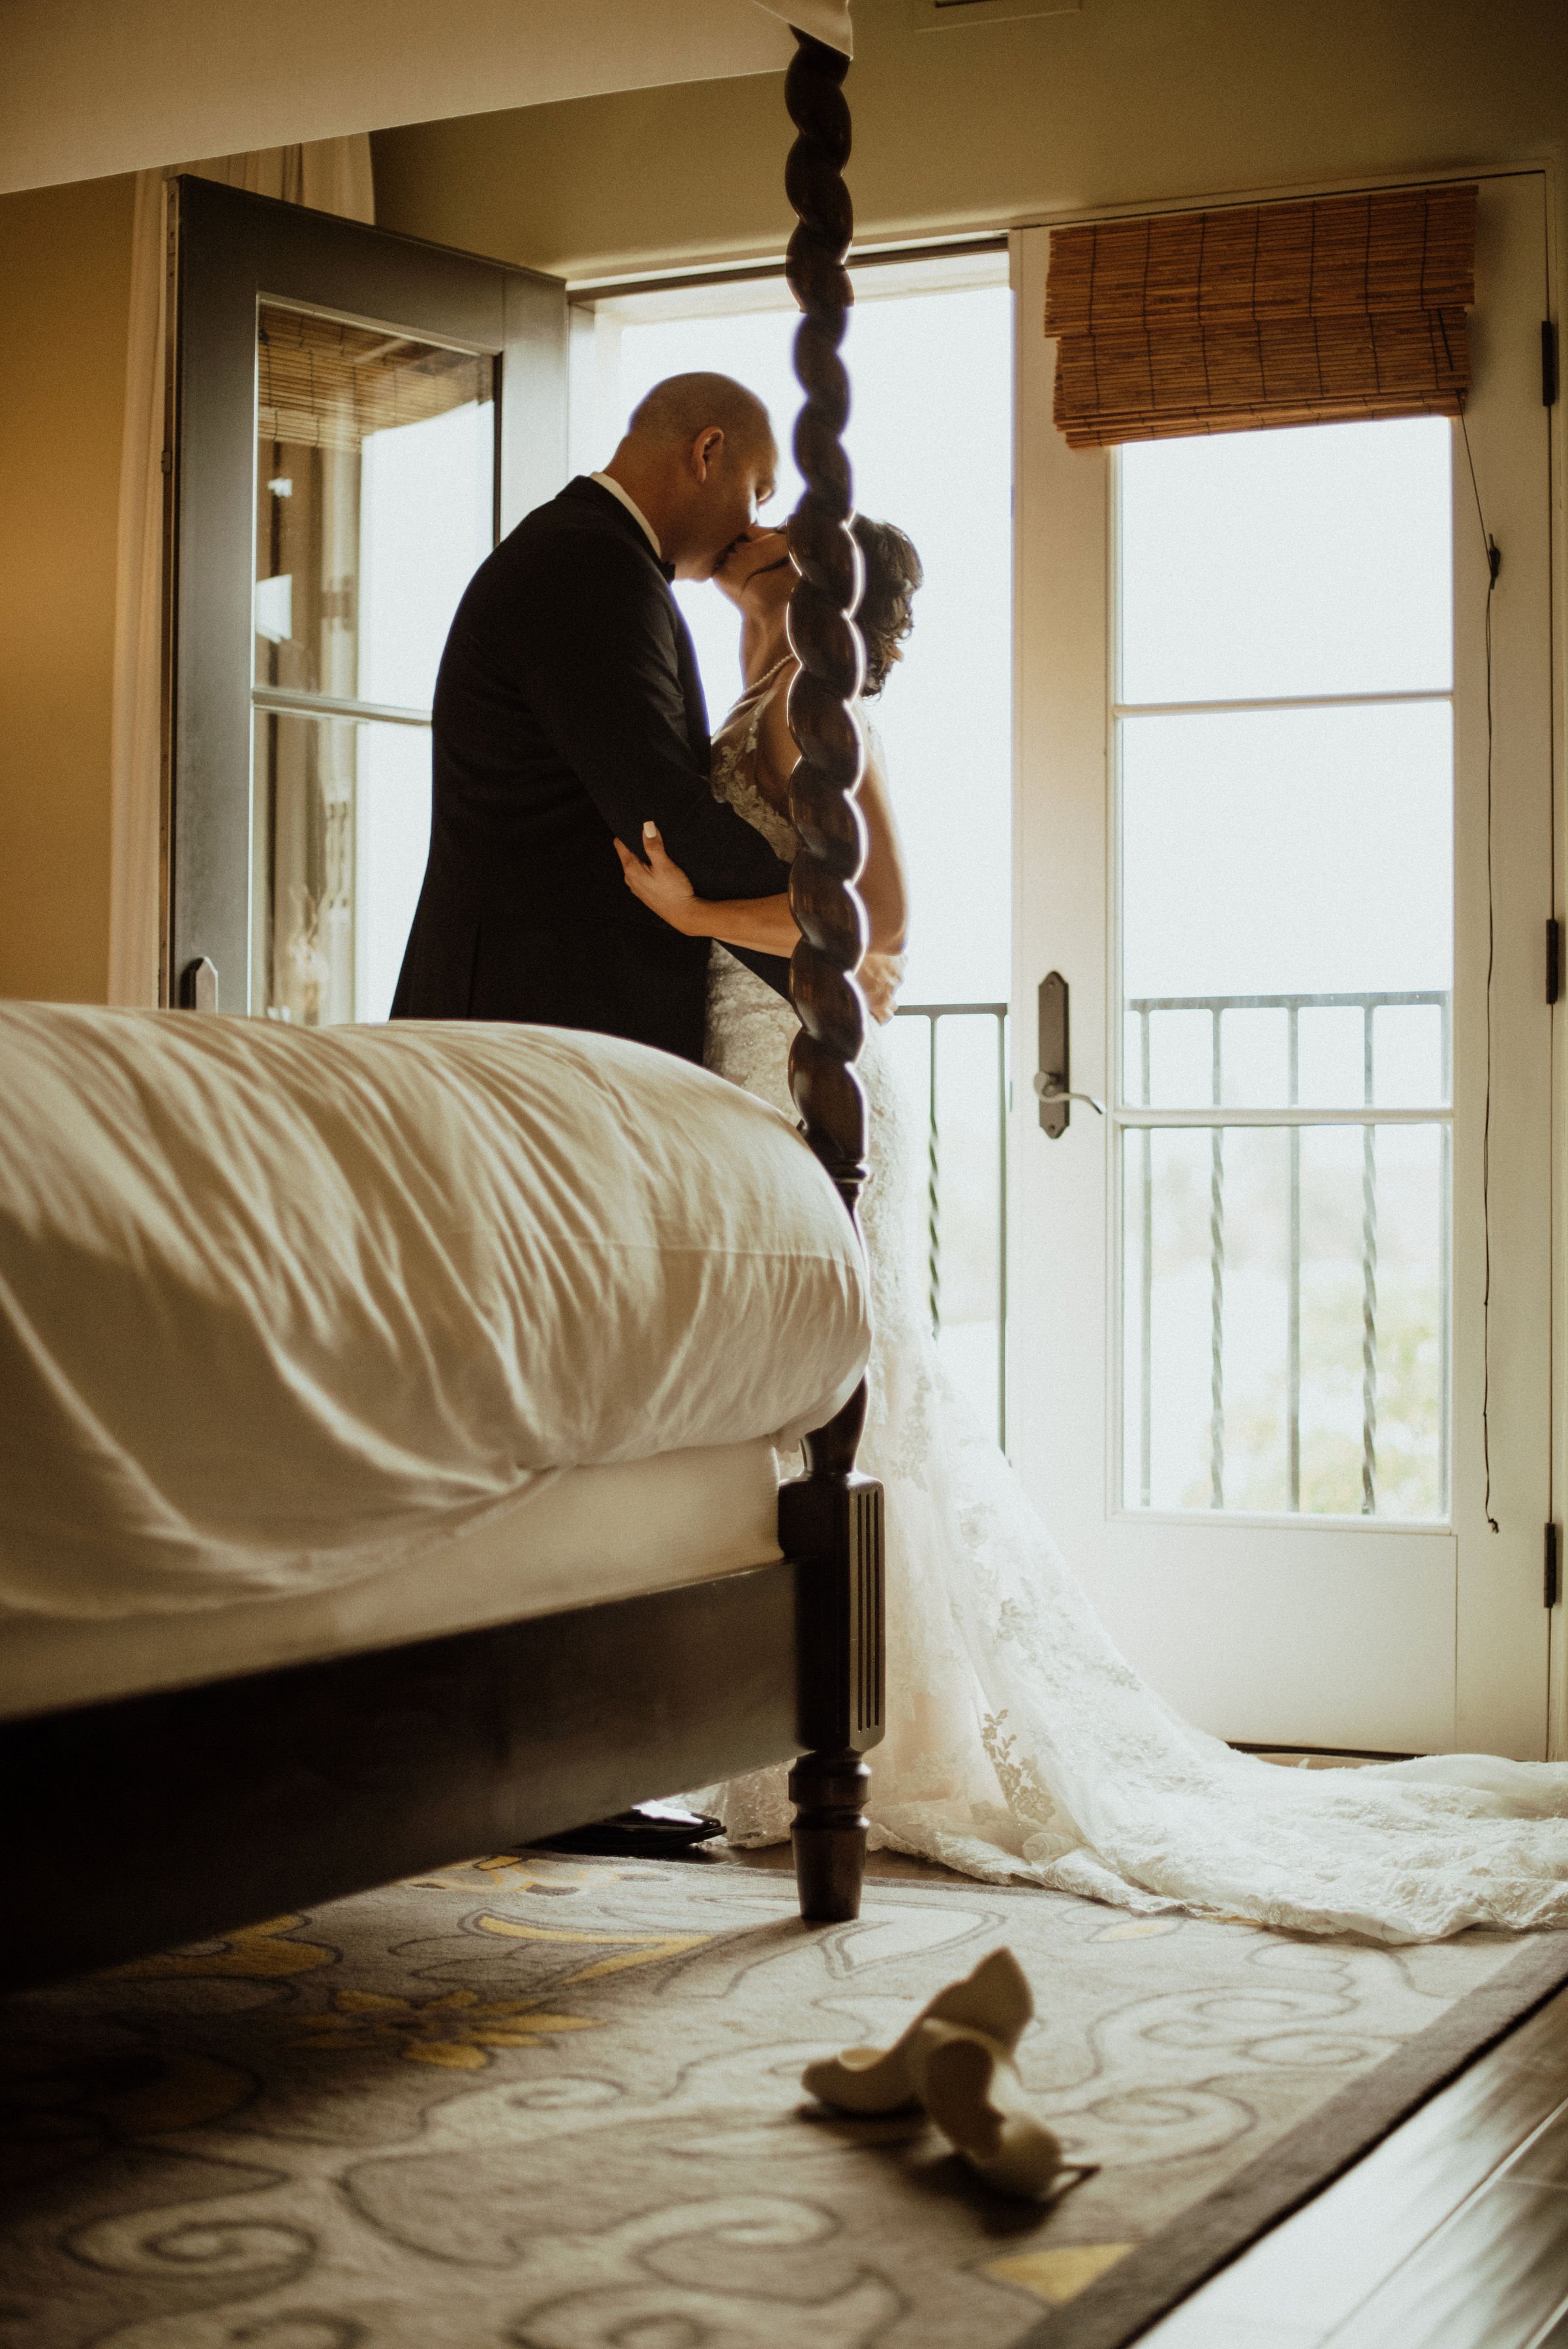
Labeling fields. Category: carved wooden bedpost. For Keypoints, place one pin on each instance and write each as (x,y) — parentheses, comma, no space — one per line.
(831,1518)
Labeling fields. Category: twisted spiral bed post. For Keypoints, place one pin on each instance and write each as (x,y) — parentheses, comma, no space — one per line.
(831,1518)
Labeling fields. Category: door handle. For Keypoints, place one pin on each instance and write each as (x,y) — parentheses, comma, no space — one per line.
(1053,1077)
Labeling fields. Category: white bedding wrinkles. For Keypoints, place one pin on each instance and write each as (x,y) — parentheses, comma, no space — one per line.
(278,1307)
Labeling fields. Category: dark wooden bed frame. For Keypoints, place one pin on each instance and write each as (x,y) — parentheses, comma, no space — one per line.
(181,1815)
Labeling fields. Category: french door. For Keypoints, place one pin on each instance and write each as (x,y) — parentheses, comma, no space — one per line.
(1280,1366)
(356,417)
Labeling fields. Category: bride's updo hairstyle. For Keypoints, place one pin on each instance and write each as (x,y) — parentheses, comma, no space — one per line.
(885,615)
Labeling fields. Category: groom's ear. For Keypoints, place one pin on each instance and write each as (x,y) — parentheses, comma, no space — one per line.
(707,450)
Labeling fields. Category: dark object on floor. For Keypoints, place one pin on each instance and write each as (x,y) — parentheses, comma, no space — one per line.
(651,1831)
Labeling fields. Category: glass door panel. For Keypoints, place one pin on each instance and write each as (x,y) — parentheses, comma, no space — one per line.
(353,410)
(391,841)
(952,1066)
(1298,852)
(1267,566)
(426,500)
(342,831)
(375,500)
(1286,1320)
(1282,1374)
(1285,925)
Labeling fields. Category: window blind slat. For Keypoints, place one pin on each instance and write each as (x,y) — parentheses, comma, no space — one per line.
(321,383)
(1347,307)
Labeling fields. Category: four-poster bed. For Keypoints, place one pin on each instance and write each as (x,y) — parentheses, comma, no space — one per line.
(165,1804)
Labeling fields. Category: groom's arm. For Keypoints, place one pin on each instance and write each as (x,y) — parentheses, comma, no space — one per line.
(597,661)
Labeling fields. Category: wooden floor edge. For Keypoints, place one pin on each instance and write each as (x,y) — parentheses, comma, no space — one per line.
(1152,2280)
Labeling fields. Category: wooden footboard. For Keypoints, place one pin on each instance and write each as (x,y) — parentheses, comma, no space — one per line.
(155,1820)
(165,1818)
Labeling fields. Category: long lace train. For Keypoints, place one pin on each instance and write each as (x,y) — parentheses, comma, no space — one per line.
(1020,1744)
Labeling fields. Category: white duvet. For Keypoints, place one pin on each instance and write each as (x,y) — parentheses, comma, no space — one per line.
(278,1307)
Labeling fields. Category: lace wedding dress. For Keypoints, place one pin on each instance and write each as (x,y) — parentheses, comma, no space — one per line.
(1020,1745)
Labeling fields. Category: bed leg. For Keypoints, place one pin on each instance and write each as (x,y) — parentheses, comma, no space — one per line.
(830,1523)
(829,1835)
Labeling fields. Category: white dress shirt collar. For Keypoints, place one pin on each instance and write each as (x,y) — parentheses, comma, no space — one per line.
(632,508)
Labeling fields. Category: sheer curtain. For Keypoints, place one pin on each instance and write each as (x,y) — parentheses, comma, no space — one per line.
(329,175)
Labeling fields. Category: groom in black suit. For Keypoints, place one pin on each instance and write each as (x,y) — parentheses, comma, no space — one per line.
(569,712)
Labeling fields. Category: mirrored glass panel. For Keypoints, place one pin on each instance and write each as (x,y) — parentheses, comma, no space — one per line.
(375,503)
(1260,565)
(375,492)
(341,831)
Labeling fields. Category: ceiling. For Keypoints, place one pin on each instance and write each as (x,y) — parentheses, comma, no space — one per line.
(93,87)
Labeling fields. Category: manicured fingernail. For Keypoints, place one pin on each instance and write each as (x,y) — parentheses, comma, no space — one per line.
(648,828)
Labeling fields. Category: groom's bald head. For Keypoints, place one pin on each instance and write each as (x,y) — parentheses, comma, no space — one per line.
(698,459)
(680,406)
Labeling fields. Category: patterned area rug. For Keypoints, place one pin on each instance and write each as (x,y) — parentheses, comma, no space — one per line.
(553,2104)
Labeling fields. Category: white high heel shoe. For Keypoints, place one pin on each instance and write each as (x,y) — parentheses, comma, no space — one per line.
(956,2059)
(994,1998)
(969,2086)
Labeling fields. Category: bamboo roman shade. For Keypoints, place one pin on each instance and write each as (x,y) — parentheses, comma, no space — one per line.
(325,384)
(1224,321)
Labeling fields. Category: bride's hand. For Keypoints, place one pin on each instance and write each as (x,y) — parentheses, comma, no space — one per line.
(881,975)
(660,883)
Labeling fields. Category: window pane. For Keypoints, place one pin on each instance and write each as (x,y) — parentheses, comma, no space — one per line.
(969,1194)
(1296,854)
(946,717)
(425,508)
(341,831)
(954,1239)
(391,844)
(1284,1320)
(1259,566)
(375,500)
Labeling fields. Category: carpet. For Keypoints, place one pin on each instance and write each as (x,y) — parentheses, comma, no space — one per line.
(552,2104)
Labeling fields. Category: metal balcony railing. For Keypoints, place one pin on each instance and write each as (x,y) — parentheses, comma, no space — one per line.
(1139,1115)
(933,1014)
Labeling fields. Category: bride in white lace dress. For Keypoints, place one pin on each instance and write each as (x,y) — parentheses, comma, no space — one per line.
(1020,1744)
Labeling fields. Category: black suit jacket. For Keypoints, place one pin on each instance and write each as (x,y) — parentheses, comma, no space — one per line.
(568,710)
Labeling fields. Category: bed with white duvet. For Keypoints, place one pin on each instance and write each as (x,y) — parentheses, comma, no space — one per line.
(315,1342)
